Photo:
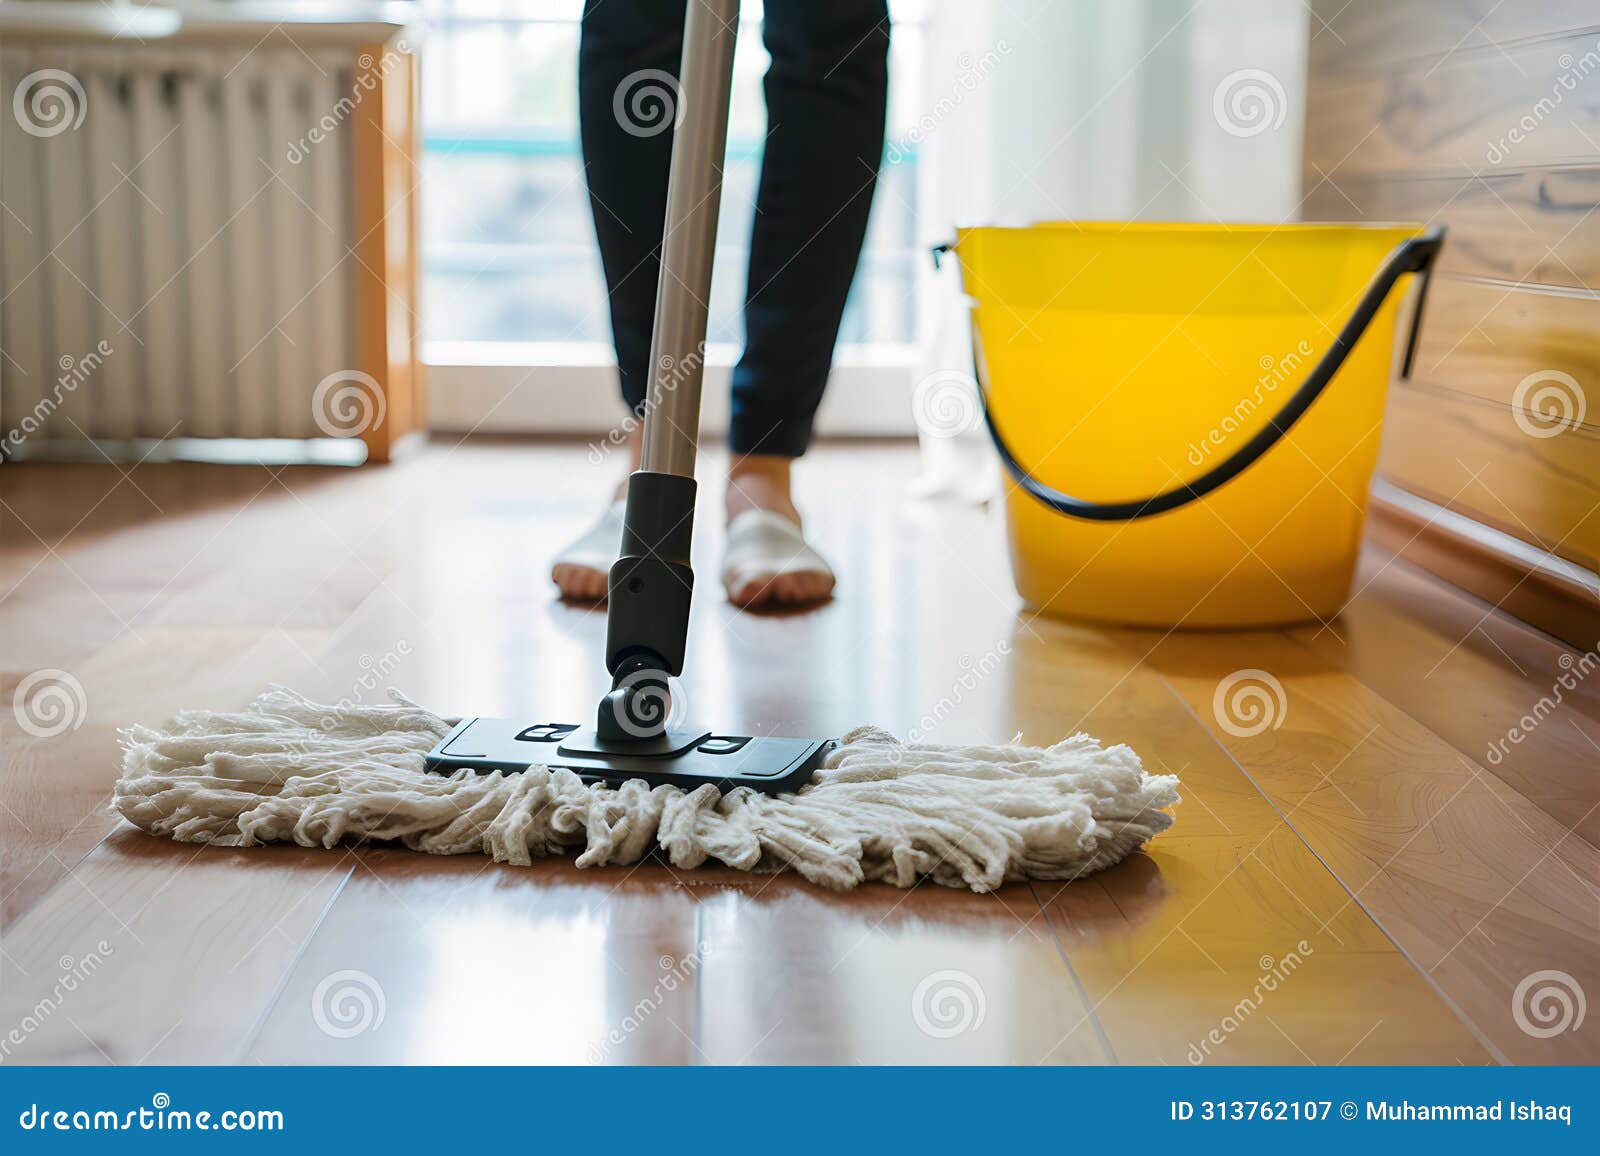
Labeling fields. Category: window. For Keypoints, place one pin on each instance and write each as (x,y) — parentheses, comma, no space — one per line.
(508,248)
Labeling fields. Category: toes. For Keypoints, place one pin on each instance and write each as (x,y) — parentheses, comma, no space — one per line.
(756,593)
(579,583)
(797,589)
(749,593)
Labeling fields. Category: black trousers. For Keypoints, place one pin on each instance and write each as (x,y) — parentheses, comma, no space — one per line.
(826,95)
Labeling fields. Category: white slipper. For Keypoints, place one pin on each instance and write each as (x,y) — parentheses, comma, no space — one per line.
(598,546)
(764,546)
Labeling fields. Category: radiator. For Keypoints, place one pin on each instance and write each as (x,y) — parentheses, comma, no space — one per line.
(176,242)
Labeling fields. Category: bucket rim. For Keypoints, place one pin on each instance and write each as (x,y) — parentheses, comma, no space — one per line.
(1252,228)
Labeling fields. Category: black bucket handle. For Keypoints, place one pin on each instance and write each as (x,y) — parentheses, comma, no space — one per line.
(1413,256)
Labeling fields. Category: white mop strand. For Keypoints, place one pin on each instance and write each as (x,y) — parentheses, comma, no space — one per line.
(289,770)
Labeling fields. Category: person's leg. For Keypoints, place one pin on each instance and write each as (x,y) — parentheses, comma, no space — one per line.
(827,95)
(628,56)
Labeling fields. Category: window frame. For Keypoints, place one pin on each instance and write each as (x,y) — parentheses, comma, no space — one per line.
(569,387)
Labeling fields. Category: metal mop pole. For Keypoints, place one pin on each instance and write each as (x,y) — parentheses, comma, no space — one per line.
(650,584)
(694,199)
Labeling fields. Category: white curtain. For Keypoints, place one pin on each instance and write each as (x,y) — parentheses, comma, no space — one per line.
(1111,109)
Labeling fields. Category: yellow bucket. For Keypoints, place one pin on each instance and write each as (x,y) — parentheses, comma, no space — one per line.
(1190,413)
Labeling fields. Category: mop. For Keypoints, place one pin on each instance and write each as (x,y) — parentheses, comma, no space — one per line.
(287,770)
(839,812)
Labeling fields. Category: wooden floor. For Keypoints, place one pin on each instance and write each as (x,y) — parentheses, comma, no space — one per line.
(1362,884)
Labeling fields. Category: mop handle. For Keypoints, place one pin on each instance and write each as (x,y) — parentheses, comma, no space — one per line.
(1414,256)
(694,197)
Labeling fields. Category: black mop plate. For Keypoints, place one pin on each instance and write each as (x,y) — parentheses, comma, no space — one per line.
(679,758)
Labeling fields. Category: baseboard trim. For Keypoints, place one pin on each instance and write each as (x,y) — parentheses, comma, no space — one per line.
(1558,596)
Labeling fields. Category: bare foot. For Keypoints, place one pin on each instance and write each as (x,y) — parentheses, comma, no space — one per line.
(768,563)
(581,568)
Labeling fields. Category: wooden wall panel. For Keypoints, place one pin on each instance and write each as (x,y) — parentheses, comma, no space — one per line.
(1524,103)
(1484,117)
(1367,37)
(1472,457)
(1535,225)
(1487,340)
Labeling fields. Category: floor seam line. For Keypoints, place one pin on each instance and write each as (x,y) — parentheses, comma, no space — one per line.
(1353,897)
(253,1035)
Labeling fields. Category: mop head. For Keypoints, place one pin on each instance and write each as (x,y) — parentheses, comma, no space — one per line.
(289,770)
